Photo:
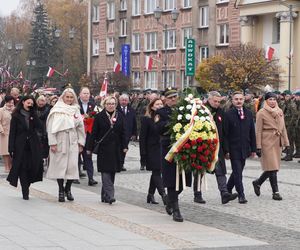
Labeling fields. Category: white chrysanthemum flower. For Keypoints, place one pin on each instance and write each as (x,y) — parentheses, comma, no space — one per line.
(198,106)
(187,99)
(202,111)
(196,118)
(189,106)
(202,118)
(181,108)
(190,96)
(208,118)
(179,117)
(188,116)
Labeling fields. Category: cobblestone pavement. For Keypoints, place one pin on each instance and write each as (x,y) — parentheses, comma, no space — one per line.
(275,222)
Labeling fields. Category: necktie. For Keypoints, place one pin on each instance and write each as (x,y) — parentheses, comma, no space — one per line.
(241,114)
(124,110)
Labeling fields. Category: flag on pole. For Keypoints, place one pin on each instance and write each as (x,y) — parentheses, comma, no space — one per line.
(7,74)
(66,72)
(20,75)
(149,63)
(50,72)
(117,67)
(269,53)
(103,91)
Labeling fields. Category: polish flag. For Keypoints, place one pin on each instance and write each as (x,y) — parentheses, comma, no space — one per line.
(66,72)
(149,63)
(269,53)
(50,72)
(103,91)
(20,75)
(117,67)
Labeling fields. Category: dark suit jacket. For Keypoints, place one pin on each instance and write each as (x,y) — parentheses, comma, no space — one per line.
(130,122)
(240,134)
(91,106)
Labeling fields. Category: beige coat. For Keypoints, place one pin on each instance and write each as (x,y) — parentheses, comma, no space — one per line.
(5,117)
(271,136)
(66,130)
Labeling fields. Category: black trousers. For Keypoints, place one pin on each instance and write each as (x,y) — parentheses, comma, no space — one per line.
(88,163)
(173,194)
(272,175)
(156,183)
(236,177)
(108,189)
(24,180)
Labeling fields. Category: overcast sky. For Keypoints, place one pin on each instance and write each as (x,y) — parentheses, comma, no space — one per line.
(7,6)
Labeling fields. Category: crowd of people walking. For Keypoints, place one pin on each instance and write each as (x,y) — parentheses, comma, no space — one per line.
(63,132)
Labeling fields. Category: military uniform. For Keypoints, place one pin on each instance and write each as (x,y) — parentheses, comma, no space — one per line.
(297,127)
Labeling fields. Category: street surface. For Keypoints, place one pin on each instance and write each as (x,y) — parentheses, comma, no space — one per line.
(131,223)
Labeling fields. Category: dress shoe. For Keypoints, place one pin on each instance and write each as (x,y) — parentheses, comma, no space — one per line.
(142,168)
(111,201)
(242,200)
(226,197)
(296,155)
(176,212)
(61,197)
(123,169)
(287,158)
(76,182)
(151,199)
(277,197)
(256,188)
(81,175)
(92,182)
(199,199)
(69,196)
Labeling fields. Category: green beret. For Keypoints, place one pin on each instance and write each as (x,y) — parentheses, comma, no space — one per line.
(287,92)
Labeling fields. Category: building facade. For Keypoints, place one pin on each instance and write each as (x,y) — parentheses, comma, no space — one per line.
(276,24)
(214,24)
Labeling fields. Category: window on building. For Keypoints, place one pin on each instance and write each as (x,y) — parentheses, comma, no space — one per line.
(169,78)
(150,41)
(203,53)
(110,10)
(95,14)
(136,44)
(186,33)
(149,6)
(123,27)
(136,7)
(110,45)
(222,1)
(276,31)
(223,34)
(150,80)
(123,4)
(170,39)
(136,78)
(186,3)
(186,81)
(169,4)
(204,17)
(95,47)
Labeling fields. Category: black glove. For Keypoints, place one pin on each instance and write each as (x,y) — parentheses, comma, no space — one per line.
(258,152)
(143,160)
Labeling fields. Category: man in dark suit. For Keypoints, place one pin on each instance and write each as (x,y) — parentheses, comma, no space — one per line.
(130,123)
(240,134)
(86,107)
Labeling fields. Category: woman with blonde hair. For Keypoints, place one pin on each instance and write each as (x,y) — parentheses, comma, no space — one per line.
(150,151)
(109,133)
(66,138)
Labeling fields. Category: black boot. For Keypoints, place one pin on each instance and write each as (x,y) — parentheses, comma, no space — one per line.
(277,197)
(68,190)
(151,199)
(168,207)
(226,197)
(198,198)
(273,181)
(61,193)
(164,198)
(256,187)
(176,212)
(25,193)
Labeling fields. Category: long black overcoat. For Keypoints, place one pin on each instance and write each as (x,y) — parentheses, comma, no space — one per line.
(168,168)
(109,154)
(150,144)
(19,135)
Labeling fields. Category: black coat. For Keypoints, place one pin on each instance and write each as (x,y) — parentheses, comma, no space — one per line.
(109,154)
(130,122)
(168,168)
(150,144)
(219,118)
(25,146)
(240,134)
(90,107)
(42,114)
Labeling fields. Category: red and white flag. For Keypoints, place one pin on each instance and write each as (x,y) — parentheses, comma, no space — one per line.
(20,75)
(269,53)
(117,67)
(103,91)
(66,72)
(50,72)
(149,63)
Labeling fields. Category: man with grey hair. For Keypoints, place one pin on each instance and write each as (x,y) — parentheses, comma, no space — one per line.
(213,104)
(130,122)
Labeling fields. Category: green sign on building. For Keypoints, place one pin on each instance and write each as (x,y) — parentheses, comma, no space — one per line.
(190,57)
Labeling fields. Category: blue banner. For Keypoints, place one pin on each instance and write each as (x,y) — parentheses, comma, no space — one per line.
(126,59)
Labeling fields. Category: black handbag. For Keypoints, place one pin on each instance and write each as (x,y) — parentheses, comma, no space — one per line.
(97,143)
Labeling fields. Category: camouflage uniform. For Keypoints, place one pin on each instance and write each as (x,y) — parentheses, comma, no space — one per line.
(297,128)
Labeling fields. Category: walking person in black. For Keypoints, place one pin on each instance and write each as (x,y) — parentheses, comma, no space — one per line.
(240,134)
(162,120)
(24,146)
(150,151)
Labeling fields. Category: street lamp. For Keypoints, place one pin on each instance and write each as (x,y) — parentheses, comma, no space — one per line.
(15,49)
(174,15)
(30,64)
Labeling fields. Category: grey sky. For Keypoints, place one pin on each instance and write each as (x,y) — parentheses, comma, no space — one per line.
(7,6)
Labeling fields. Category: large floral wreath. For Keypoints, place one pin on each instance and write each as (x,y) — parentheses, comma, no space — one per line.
(194,137)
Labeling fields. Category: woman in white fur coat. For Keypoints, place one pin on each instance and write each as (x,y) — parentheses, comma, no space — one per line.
(66,138)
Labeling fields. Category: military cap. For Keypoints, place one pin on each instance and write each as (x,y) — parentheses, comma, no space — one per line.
(169,92)
(287,92)
(277,92)
(297,93)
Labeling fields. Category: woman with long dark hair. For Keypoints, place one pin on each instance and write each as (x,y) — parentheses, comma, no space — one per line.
(24,146)
(150,151)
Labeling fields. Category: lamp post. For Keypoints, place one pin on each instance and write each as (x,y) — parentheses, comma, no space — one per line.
(15,49)
(174,15)
(30,64)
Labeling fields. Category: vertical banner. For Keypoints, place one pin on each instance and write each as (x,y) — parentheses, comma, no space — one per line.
(126,59)
(190,57)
